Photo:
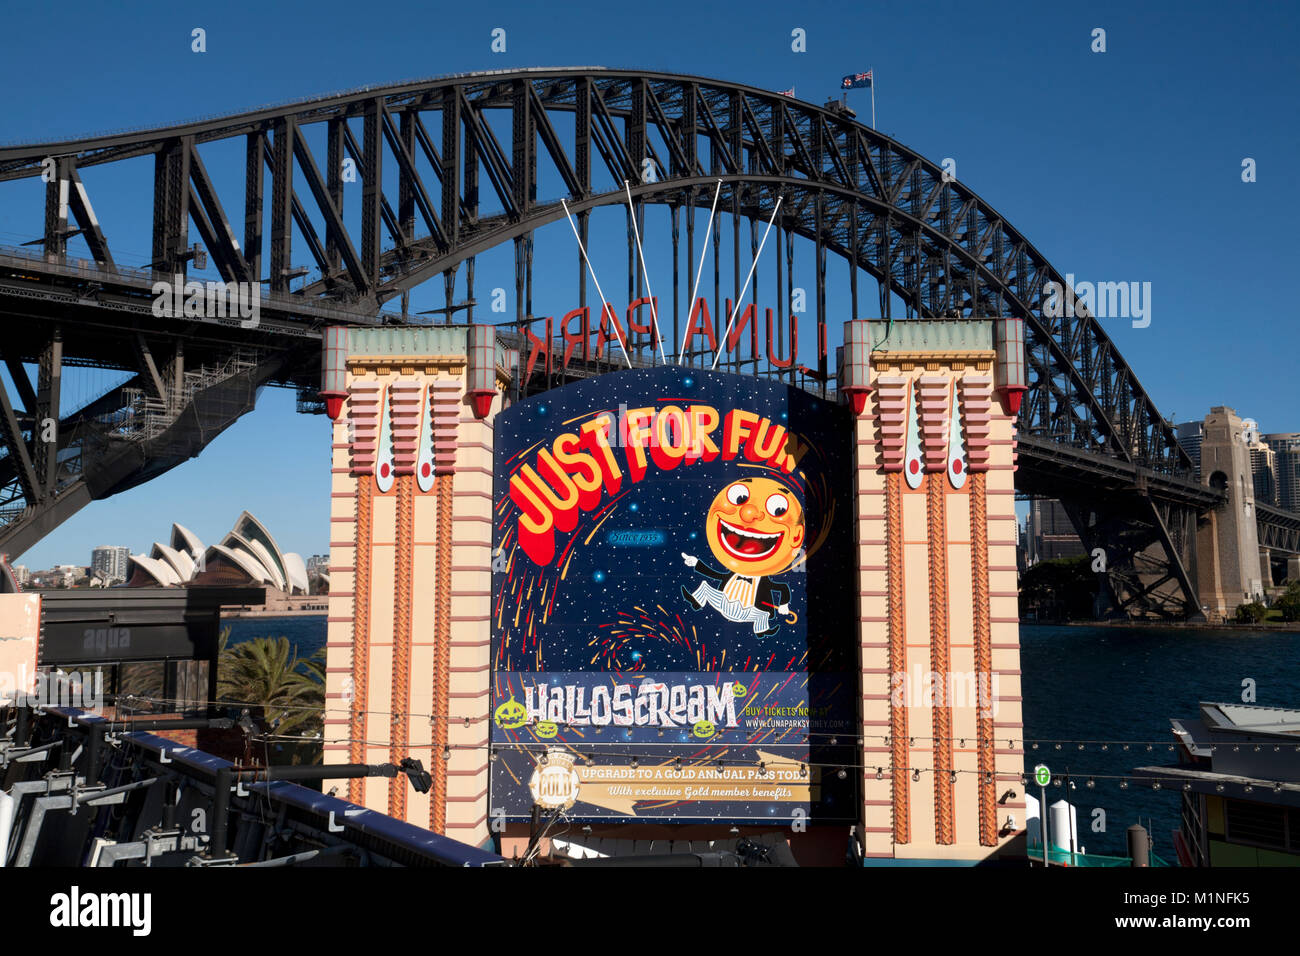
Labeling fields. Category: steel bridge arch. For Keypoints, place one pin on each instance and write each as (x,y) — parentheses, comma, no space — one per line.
(924,236)
(764,140)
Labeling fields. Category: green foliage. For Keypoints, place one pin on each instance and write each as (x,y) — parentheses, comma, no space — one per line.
(266,672)
(1288,605)
(1252,613)
(1059,589)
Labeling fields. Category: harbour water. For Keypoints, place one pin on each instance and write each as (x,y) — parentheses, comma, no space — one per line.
(1084,684)
(1122,683)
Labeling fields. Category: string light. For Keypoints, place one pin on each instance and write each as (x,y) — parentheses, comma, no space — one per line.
(468,720)
(634,761)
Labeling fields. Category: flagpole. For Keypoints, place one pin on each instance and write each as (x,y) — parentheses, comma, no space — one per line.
(873,100)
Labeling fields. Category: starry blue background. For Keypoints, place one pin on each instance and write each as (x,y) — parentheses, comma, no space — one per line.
(606,577)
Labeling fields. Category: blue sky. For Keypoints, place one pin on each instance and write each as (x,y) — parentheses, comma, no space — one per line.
(1119,166)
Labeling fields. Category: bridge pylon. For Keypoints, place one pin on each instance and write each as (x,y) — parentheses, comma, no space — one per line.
(1227,540)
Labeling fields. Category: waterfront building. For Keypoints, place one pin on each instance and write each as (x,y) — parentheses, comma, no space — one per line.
(247,556)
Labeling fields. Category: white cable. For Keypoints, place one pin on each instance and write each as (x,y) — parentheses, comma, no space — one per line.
(654,312)
(752,266)
(708,235)
(590,268)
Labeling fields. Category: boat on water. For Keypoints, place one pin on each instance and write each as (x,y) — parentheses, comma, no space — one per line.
(1238,773)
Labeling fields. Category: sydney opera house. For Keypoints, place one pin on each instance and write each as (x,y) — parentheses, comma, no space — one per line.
(247,556)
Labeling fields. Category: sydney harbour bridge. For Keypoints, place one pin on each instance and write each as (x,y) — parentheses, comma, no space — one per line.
(442,171)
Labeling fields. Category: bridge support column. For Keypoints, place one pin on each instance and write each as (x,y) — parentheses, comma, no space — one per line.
(1266,567)
(940,651)
(407,655)
(1228,553)
(1293,568)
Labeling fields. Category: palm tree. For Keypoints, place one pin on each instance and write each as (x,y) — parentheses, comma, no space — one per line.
(265,672)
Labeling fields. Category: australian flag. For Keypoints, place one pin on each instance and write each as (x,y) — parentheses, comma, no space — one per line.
(856,81)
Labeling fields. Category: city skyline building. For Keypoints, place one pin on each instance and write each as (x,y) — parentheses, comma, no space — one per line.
(1189,435)
(1263,470)
(1049,533)
(111,563)
(1286,449)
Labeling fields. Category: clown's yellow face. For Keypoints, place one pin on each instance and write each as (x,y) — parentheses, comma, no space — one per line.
(755,526)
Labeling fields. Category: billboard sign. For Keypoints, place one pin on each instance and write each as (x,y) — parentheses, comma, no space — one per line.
(673,601)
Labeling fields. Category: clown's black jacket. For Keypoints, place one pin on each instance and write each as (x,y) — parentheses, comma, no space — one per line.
(769,594)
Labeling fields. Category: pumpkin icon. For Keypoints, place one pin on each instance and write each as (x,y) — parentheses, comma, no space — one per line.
(511,715)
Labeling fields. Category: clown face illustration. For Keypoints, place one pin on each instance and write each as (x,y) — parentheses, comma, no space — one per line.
(755,528)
